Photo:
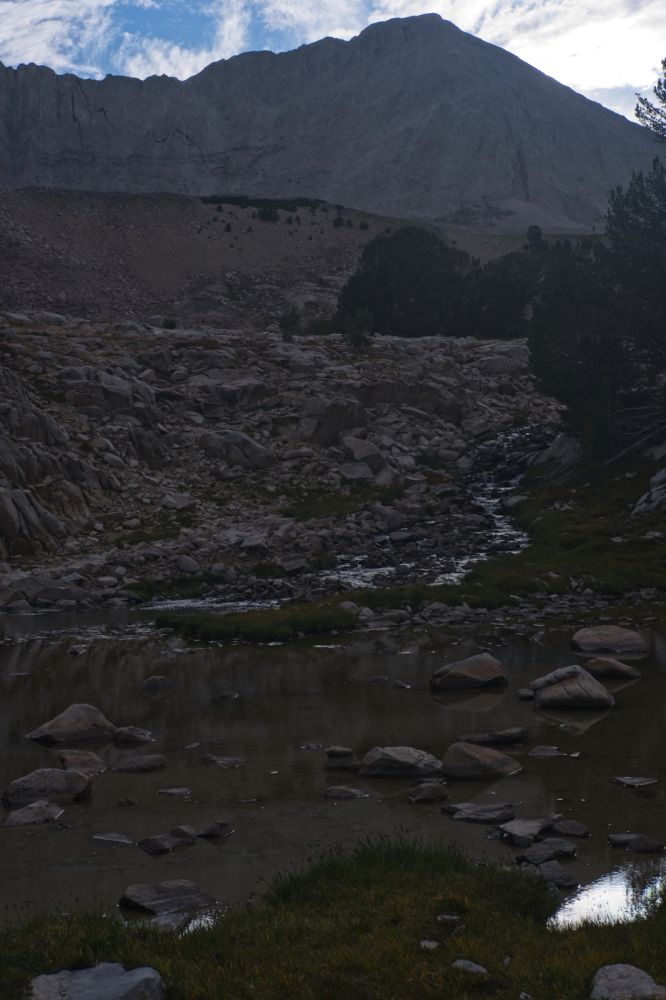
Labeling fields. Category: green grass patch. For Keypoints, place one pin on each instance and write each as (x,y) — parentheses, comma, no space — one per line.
(270,625)
(350,926)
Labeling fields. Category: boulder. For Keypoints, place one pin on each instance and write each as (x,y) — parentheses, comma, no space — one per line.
(236,448)
(131,736)
(83,761)
(466,760)
(399,762)
(571,687)
(49,783)
(37,812)
(226,763)
(106,981)
(217,831)
(624,982)
(482,670)
(600,639)
(77,724)
(428,791)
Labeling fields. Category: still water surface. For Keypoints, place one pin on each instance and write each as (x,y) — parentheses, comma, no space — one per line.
(294,702)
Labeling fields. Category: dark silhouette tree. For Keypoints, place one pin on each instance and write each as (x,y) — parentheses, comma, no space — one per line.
(653,116)
(410,283)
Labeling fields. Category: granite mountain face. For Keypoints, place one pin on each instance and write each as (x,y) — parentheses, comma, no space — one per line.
(412,118)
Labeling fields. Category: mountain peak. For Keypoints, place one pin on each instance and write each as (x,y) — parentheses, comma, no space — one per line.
(413,117)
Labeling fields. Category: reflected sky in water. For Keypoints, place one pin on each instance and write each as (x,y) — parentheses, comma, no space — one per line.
(624,894)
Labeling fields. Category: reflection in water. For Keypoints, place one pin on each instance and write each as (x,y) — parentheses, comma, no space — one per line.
(291,701)
(623,895)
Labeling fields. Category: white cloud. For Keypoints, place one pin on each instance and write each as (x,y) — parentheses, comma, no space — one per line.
(142,57)
(63,34)
(306,22)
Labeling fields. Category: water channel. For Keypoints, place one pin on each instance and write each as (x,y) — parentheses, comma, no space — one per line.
(294,701)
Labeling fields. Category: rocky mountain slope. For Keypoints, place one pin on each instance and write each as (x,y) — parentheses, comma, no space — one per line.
(412,118)
(275,468)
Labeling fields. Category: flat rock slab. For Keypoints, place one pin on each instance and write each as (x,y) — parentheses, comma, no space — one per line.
(475,812)
(48,783)
(179,791)
(629,781)
(547,850)
(624,982)
(607,666)
(83,761)
(522,832)
(175,896)
(602,639)
(79,723)
(226,763)
(479,671)
(571,688)
(498,737)
(466,760)
(340,793)
(428,791)
(107,981)
(164,843)
(140,764)
(399,762)
(37,812)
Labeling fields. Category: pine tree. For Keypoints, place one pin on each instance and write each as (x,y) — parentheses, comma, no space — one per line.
(651,115)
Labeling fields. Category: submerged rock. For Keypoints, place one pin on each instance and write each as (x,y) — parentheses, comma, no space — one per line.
(399,762)
(140,763)
(517,734)
(37,812)
(482,670)
(106,981)
(131,736)
(610,639)
(342,792)
(48,783)
(607,666)
(164,843)
(217,831)
(77,724)
(466,760)
(478,812)
(629,781)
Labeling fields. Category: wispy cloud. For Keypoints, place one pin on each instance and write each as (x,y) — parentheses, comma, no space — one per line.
(148,56)
(64,34)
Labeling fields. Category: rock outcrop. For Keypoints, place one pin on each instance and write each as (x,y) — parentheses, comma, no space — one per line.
(444,125)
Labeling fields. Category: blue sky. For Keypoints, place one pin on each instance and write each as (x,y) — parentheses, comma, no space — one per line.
(606,49)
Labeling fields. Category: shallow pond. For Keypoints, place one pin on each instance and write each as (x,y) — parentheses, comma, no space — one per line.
(293,702)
